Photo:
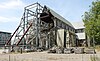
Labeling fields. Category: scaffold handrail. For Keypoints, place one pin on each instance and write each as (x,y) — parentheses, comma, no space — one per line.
(24,34)
(13,33)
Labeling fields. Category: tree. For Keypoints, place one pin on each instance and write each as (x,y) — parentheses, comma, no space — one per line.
(91,21)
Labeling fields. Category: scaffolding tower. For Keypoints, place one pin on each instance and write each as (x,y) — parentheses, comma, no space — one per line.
(36,28)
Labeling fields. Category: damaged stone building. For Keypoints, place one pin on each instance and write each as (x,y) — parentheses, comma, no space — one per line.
(41,27)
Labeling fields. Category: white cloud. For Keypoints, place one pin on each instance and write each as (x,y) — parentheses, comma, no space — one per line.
(12,4)
(8,19)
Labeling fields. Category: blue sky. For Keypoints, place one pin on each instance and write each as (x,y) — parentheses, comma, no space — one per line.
(12,10)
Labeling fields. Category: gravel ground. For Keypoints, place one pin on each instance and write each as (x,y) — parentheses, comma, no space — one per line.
(44,56)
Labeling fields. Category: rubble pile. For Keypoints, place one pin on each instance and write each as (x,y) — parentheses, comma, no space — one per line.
(70,50)
(78,50)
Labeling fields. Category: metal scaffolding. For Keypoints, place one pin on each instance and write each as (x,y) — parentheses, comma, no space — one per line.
(34,30)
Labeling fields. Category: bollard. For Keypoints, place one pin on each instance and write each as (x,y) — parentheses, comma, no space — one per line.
(21,51)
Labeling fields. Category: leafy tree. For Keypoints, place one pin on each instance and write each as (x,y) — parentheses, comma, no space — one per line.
(91,21)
